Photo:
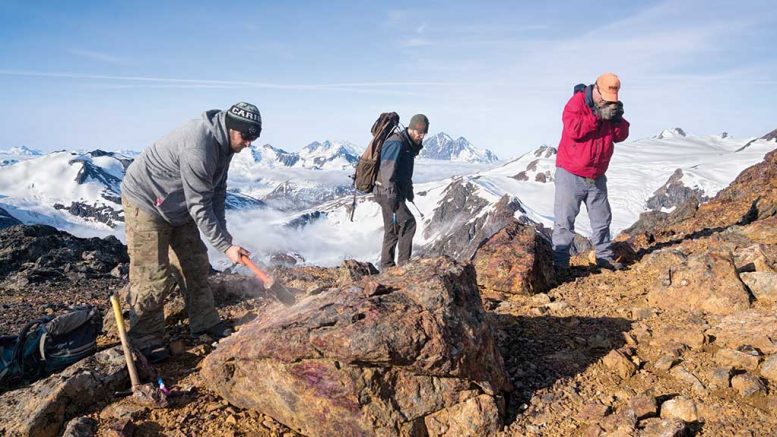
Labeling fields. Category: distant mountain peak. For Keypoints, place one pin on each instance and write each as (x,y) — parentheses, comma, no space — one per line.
(317,155)
(671,133)
(328,146)
(443,147)
(329,155)
(545,151)
(22,150)
(770,136)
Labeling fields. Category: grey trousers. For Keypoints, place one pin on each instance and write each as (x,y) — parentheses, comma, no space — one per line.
(399,233)
(571,190)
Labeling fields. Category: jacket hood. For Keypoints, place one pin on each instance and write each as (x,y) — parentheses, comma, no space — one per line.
(589,97)
(215,121)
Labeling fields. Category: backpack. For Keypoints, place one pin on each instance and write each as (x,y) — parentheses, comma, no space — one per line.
(369,163)
(49,344)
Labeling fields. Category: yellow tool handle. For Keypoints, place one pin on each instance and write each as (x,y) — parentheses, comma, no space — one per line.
(133,372)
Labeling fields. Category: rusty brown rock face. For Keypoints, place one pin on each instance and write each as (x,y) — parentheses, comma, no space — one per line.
(383,355)
(516,260)
(705,281)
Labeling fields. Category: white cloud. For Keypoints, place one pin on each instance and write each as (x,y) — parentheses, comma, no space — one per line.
(98,56)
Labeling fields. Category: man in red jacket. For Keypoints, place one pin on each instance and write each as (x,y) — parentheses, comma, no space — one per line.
(593,122)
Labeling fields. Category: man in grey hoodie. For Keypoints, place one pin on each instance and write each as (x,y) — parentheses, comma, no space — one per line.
(175,190)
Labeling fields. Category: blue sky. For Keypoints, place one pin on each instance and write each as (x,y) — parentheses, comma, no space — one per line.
(120,74)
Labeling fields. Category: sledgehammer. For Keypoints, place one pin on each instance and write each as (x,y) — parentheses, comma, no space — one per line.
(281,293)
(133,372)
(144,394)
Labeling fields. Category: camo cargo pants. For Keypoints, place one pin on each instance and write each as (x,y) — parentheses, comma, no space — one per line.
(162,255)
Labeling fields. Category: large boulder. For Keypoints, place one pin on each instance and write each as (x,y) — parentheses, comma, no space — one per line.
(406,352)
(42,408)
(705,281)
(517,260)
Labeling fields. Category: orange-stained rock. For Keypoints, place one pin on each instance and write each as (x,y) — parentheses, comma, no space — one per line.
(516,260)
(706,281)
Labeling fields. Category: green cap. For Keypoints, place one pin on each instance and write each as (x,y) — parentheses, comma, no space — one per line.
(420,123)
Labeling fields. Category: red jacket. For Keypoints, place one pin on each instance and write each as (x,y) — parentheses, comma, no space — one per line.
(586,144)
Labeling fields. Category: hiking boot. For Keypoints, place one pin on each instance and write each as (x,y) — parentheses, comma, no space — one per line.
(156,354)
(217,331)
(609,264)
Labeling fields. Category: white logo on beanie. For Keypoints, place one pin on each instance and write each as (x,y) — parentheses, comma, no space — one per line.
(239,112)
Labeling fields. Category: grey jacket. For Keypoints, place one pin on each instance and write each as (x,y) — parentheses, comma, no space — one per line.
(183,176)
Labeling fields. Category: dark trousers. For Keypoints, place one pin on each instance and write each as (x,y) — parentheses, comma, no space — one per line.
(398,230)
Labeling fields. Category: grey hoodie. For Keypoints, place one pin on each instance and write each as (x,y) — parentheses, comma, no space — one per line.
(183,176)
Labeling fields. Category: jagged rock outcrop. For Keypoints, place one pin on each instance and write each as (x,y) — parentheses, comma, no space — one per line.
(40,253)
(289,195)
(651,220)
(770,136)
(236,200)
(405,352)
(674,193)
(101,213)
(516,260)
(460,218)
(752,196)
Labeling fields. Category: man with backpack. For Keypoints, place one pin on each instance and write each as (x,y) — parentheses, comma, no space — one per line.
(394,187)
(175,190)
(593,122)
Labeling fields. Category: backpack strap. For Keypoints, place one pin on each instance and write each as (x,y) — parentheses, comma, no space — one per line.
(42,346)
(19,352)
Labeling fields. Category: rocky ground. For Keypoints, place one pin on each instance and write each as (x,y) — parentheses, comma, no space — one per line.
(683,342)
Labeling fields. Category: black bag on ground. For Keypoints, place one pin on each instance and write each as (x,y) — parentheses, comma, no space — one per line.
(49,344)
(369,163)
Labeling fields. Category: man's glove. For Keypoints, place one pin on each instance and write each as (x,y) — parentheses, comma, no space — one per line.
(410,195)
(618,115)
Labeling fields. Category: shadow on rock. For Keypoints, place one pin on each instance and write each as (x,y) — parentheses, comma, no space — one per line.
(538,351)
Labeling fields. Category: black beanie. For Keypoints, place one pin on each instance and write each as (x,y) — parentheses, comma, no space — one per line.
(244,117)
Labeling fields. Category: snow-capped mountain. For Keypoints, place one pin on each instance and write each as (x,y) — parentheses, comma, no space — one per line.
(461,203)
(538,166)
(70,186)
(267,156)
(329,155)
(442,146)
(460,210)
(21,151)
(74,188)
(674,133)
(16,154)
